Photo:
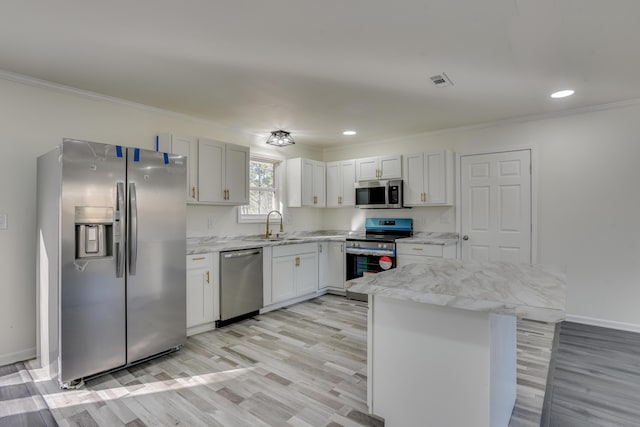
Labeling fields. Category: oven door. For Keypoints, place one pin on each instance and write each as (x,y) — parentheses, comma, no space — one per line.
(360,264)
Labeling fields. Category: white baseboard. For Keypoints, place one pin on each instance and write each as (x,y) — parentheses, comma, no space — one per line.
(632,327)
(292,301)
(18,356)
(201,328)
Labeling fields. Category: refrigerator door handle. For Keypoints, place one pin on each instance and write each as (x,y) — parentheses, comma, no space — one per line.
(120,218)
(133,229)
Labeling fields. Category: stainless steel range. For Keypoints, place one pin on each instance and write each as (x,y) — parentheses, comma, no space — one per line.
(376,250)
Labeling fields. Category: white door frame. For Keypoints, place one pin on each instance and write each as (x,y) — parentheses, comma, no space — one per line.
(534,193)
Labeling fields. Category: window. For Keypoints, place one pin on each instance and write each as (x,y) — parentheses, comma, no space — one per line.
(262,191)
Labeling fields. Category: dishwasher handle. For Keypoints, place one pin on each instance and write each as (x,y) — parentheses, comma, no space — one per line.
(242,253)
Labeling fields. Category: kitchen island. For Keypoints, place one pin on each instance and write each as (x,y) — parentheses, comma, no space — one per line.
(442,338)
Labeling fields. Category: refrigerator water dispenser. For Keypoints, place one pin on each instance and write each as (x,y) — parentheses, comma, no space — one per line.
(94,232)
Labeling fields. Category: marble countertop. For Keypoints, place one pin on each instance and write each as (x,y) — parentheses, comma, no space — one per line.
(200,245)
(431,238)
(535,292)
(206,244)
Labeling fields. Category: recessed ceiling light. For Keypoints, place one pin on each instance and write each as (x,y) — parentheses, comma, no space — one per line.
(349,132)
(562,93)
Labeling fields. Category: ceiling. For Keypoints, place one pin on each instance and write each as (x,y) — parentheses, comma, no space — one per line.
(318,67)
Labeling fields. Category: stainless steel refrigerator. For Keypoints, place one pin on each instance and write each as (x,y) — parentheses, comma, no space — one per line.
(111,258)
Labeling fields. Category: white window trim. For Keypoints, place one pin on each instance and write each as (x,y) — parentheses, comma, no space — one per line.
(262,219)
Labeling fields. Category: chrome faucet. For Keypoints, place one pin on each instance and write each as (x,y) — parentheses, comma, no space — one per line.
(268,233)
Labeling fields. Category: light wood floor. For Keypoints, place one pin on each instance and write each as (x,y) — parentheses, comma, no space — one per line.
(300,366)
(596,378)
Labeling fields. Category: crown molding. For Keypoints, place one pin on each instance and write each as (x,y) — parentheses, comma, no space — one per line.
(69,90)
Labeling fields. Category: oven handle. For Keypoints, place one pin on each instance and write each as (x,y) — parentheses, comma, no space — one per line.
(375,252)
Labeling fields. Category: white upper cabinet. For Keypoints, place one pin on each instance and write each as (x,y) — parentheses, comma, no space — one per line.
(184,146)
(217,172)
(384,167)
(341,177)
(305,183)
(237,174)
(428,179)
(223,173)
(211,168)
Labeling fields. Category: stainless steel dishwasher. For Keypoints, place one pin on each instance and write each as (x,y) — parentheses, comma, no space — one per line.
(240,285)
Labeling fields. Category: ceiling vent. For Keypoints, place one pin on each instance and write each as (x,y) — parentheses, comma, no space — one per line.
(441,80)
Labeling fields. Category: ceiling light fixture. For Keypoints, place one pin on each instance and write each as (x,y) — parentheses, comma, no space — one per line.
(349,132)
(562,93)
(280,138)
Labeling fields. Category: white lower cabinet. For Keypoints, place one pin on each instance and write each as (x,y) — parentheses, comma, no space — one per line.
(283,282)
(331,274)
(294,271)
(323,265)
(335,269)
(410,253)
(203,288)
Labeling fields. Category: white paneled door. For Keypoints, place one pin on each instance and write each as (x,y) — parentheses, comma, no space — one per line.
(496,206)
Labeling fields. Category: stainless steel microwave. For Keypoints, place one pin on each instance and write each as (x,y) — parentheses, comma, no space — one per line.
(379,194)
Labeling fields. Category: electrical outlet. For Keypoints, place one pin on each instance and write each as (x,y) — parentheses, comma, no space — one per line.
(4,224)
(210,222)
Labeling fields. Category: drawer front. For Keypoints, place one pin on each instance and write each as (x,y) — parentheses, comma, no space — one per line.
(294,249)
(199,261)
(419,249)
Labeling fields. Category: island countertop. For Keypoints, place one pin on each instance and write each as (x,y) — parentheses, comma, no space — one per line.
(535,292)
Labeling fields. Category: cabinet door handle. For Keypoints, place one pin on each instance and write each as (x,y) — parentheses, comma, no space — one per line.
(417,249)
(320,248)
(315,200)
(193,192)
(208,277)
(339,200)
(425,197)
(297,261)
(198,258)
(341,248)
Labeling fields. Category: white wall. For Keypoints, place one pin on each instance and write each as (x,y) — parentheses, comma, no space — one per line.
(588,199)
(32,121)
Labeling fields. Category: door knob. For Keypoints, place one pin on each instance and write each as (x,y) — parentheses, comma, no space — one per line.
(465,237)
